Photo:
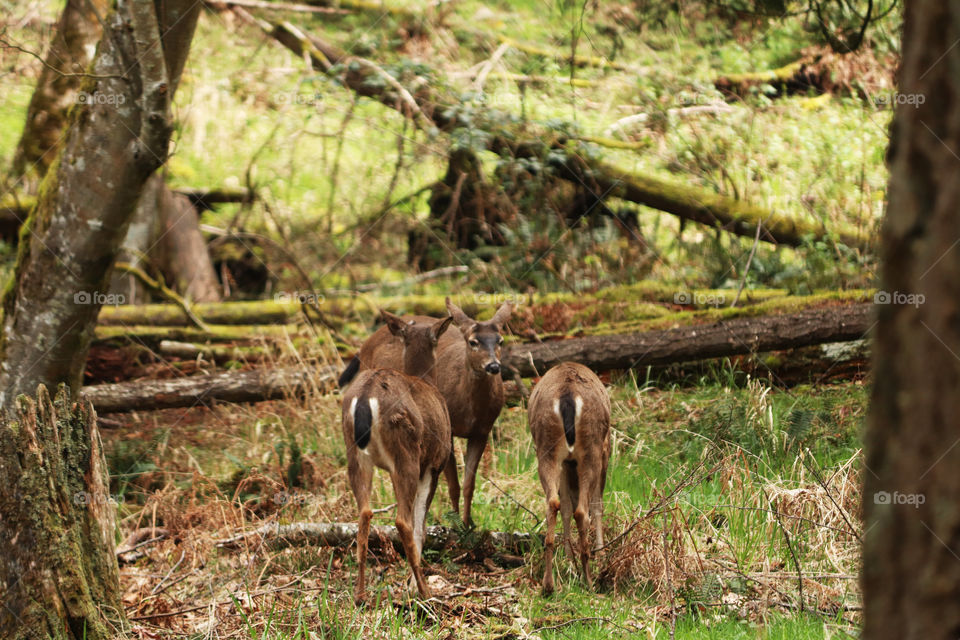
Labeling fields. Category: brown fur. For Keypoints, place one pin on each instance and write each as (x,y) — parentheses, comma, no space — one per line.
(474,395)
(409,438)
(572,480)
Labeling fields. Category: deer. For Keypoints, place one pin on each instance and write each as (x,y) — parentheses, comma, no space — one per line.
(569,419)
(468,376)
(397,421)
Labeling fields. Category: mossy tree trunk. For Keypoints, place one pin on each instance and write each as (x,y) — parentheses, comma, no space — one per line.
(911,575)
(58,88)
(57,520)
(112,146)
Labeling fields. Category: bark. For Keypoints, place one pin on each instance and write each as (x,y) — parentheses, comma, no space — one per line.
(603,181)
(71,52)
(911,576)
(57,521)
(344,534)
(138,244)
(165,232)
(736,336)
(184,256)
(228,386)
(89,195)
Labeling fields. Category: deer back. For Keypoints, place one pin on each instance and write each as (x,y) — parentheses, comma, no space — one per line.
(569,410)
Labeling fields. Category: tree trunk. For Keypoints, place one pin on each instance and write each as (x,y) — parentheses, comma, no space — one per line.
(71,52)
(57,521)
(736,336)
(88,197)
(911,575)
(186,262)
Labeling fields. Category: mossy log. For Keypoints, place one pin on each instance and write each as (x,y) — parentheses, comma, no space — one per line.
(224,313)
(566,58)
(712,209)
(227,386)
(57,520)
(732,337)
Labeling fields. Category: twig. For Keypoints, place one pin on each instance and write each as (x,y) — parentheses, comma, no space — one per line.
(159,287)
(405,95)
(420,277)
(278,6)
(793,553)
(746,269)
(488,66)
(517,502)
(823,485)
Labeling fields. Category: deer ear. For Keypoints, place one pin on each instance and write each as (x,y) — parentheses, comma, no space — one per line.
(440,326)
(502,315)
(395,323)
(459,317)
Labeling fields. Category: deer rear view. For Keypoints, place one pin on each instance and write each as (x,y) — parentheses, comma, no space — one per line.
(399,423)
(569,416)
(468,376)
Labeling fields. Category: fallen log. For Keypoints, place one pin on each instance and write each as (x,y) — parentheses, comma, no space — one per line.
(344,534)
(728,337)
(736,336)
(225,313)
(228,386)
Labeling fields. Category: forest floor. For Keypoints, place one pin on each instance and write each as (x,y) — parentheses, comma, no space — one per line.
(717,495)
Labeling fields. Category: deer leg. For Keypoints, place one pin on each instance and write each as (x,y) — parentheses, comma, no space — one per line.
(360,472)
(420,506)
(549,478)
(568,496)
(596,515)
(582,516)
(475,447)
(405,487)
(453,484)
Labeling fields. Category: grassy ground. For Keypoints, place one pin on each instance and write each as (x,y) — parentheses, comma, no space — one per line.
(715,495)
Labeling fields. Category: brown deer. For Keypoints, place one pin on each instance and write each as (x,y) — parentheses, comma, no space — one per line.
(399,423)
(468,376)
(569,416)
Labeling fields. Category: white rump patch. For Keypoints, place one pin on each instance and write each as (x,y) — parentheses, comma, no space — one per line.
(374,418)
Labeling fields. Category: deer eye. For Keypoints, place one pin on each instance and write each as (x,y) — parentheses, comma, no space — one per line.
(473,342)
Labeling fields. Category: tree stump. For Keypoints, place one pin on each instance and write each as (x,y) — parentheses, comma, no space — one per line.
(58,572)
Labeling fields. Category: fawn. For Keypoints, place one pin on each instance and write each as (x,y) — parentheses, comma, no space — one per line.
(569,416)
(399,422)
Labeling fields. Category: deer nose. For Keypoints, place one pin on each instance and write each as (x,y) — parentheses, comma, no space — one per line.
(493,368)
